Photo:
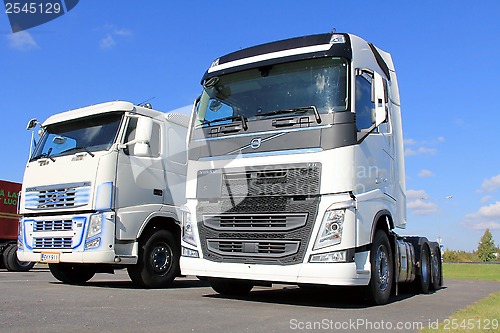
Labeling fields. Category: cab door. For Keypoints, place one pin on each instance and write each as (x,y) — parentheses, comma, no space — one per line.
(375,154)
(140,178)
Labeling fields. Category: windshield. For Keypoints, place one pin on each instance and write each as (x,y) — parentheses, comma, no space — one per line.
(84,134)
(318,85)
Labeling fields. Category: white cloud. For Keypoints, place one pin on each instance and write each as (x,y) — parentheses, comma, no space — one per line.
(417,205)
(22,41)
(107,42)
(420,151)
(122,32)
(113,36)
(424,150)
(410,142)
(416,147)
(490,185)
(416,194)
(486,198)
(420,207)
(485,217)
(424,173)
(410,152)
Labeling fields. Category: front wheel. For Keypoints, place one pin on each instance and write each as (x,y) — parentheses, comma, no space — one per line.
(72,273)
(230,286)
(379,289)
(12,263)
(158,262)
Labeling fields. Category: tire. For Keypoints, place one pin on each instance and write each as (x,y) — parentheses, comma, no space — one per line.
(158,262)
(230,286)
(72,273)
(12,263)
(423,279)
(382,270)
(436,276)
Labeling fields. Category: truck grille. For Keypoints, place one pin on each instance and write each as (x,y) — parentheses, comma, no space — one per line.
(254,248)
(261,215)
(255,222)
(58,196)
(52,243)
(57,225)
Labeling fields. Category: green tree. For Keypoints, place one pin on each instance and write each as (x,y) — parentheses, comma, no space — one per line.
(486,249)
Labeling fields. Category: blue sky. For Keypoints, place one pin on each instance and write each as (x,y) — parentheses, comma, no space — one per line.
(445,52)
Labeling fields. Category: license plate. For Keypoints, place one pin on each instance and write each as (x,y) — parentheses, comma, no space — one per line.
(50,257)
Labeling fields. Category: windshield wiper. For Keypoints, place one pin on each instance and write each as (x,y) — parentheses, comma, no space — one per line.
(84,148)
(241,117)
(44,155)
(302,109)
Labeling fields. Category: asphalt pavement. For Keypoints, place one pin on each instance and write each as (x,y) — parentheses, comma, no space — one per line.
(36,302)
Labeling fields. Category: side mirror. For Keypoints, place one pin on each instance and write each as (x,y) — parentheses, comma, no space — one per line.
(144,129)
(141,149)
(143,137)
(378,98)
(32,124)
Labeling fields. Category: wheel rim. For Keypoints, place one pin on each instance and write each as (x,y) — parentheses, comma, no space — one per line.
(161,258)
(435,264)
(24,263)
(382,265)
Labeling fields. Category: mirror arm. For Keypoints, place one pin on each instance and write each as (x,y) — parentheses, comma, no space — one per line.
(364,133)
(133,142)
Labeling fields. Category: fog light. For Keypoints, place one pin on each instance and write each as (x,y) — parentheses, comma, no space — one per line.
(337,256)
(93,243)
(186,252)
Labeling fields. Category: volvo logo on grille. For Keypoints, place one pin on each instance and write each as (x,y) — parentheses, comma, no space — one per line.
(53,198)
(56,196)
(255,143)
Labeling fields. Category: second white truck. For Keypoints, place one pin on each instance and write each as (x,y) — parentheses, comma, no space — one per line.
(101,190)
(296,172)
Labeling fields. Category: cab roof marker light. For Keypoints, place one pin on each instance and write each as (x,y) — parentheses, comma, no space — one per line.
(215,62)
(337,39)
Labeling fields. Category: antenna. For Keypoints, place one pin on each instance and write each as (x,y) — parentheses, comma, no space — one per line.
(334,30)
(143,103)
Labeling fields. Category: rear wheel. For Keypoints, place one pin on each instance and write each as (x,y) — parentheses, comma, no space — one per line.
(12,263)
(230,286)
(158,262)
(424,277)
(436,268)
(379,289)
(72,273)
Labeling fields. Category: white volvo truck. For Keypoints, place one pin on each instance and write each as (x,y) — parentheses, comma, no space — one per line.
(101,190)
(296,172)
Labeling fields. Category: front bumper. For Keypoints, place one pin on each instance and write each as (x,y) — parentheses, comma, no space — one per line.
(67,236)
(340,274)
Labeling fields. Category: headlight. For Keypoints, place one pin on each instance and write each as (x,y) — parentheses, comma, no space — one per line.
(330,231)
(95,225)
(20,244)
(187,227)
